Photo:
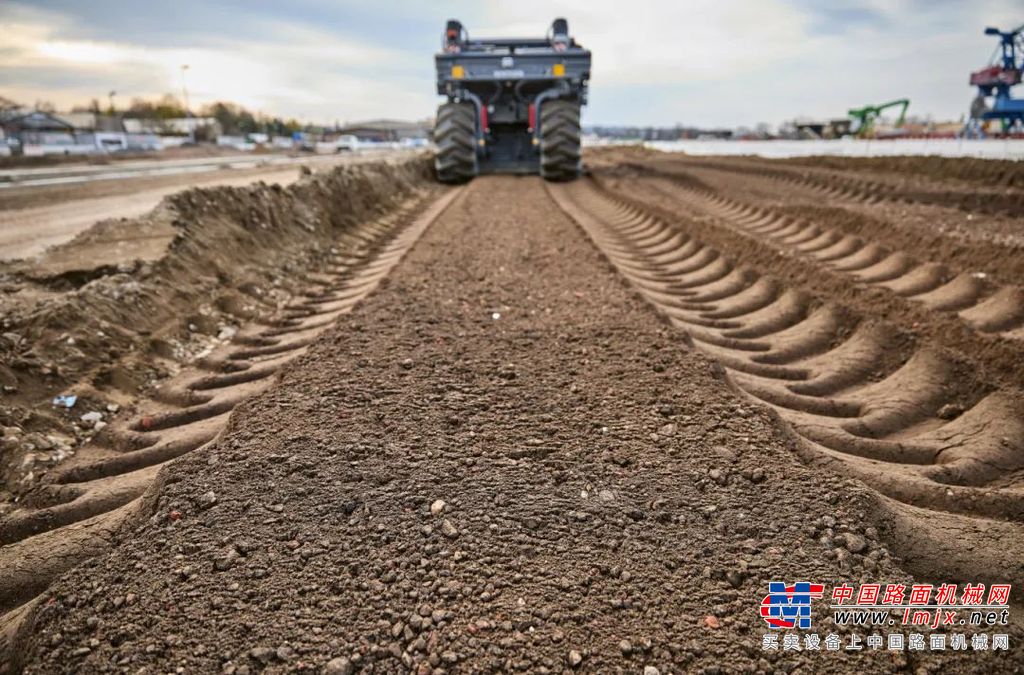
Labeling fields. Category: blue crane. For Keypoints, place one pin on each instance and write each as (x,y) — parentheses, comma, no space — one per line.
(997,79)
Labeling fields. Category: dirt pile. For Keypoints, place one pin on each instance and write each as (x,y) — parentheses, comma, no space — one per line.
(500,462)
(101,320)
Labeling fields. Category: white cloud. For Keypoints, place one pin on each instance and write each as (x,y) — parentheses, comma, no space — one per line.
(665,43)
(705,62)
(298,71)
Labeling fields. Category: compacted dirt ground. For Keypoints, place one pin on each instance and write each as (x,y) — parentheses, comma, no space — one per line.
(576,428)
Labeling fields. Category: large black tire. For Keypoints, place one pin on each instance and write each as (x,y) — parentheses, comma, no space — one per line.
(455,136)
(560,140)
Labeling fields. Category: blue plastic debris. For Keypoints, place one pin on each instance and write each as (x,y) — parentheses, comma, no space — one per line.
(65,400)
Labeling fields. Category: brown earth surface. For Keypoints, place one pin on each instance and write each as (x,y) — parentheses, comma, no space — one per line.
(35,218)
(128,301)
(499,461)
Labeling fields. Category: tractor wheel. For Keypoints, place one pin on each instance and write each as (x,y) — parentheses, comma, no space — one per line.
(455,136)
(560,140)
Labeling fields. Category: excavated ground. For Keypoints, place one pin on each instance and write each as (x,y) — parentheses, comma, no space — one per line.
(129,302)
(499,461)
(502,460)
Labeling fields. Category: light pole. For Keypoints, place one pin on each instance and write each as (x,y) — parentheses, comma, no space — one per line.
(188,114)
(110,97)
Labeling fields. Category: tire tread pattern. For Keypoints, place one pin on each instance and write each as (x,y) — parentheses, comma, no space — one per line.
(455,136)
(560,140)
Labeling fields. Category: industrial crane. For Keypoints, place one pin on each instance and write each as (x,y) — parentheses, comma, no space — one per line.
(997,79)
(867,115)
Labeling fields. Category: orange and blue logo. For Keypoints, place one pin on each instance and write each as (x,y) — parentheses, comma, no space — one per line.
(788,606)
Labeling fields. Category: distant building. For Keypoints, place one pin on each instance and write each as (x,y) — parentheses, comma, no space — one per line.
(106,133)
(655,133)
(88,122)
(815,129)
(383,131)
(35,132)
(209,127)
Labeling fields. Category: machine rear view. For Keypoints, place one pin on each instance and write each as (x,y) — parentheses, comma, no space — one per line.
(513,104)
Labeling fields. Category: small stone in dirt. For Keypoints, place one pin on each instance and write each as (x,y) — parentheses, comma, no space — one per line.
(92,417)
(854,543)
(208,499)
(113,407)
(718,476)
(667,410)
(575,658)
(625,647)
(262,654)
(12,340)
(437,507)
(226,561)
(711,621)
(725,453)
(757,476)
(448,530)
(950,411)
(407,364)
(338,666)
(734,578)
(651,670)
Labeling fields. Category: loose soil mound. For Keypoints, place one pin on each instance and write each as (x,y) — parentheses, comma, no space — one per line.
(115,310)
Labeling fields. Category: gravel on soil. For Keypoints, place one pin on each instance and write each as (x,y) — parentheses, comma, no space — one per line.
(500,462)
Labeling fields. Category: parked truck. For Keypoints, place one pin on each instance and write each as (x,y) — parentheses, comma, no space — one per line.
(513,104)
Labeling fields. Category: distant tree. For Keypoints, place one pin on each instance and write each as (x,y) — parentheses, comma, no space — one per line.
(46,106)
(165,108)
(233,118)
(92,107)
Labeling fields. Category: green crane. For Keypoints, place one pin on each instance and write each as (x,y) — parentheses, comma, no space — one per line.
(867,115)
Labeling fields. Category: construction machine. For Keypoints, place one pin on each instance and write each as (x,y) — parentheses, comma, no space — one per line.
(866,116)
(996,80)
(513,104)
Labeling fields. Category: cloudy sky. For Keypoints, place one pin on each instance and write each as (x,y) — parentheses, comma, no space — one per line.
(700,62)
